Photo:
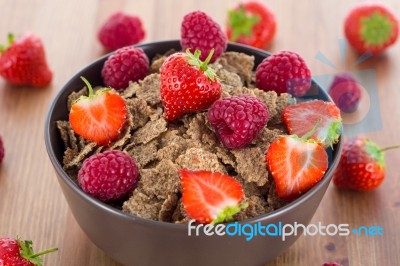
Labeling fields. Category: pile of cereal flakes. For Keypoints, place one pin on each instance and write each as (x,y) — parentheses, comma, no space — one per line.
(162,148)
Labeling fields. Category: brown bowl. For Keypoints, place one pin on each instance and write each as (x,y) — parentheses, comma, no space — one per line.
(132,240)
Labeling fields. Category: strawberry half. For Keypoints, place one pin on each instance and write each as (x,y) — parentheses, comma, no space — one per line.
(187,84)
(300,118)
(296,164)
(210,197)
(98,117)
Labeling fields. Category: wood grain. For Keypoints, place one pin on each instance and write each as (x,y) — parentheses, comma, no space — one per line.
(31,203)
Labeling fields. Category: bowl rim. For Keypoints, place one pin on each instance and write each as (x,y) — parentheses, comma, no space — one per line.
(63,176)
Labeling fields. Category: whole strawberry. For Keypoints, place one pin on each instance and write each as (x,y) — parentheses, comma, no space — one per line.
(108,176)
(100,116)
(23,62)
(371,27)
(362,165)
(345,91)
(201,32)
(187,84)
(1,150)
(284,71)
(237,120)
(121,30)
(125,65)
(251,23)
(15,252)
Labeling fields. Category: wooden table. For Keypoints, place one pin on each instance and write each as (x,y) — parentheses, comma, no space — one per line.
(31,203)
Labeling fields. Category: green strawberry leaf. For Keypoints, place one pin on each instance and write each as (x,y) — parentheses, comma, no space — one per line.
(226,215)
(194,60)
(376,29)
(241,23)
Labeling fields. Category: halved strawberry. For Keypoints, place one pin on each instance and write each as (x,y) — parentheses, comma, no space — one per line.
(98,117)
(296,164)
(300,118)
(210,197)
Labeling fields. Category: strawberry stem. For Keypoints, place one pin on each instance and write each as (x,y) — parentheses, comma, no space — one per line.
(47,251)
(389,148)
(312,131)
(88,86)
(194,60)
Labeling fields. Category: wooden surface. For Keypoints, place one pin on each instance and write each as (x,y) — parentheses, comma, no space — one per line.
(31,202)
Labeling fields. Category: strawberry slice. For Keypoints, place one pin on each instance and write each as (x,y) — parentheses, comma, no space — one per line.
(98,117)
(210,197)
(296,164)
(300,118)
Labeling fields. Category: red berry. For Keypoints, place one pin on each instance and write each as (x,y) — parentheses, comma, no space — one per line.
(108,176)
(302,117)
(371,27)
(362,165)
(1,150)
(345,92)
(201,32)
(15,252)
(187,84)
(296,164)
(24,62)
(284,71)
(98,117)
(251,23)
(210,197)
(331,264)
(237,120)
(121,30)
(126,64)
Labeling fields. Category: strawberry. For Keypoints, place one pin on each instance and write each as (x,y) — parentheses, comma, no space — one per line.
(17,252)
(361,166)
(187,84)
(251,23)
(210,197)
(296,164)
(300,118)
(98,117)
(371,28)
(24,62)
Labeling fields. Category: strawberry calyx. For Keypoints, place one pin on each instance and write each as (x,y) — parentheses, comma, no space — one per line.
(226,215)
(376,152)
(241,23)
(27,253)
(333,132)
(10,38)
(194,60)
(376,29)
(91,94)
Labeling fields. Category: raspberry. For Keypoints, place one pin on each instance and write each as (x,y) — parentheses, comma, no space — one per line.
(1,150)
(345,92)
(284,71)
(121,30)
(108,176)
(331,264)
(199,31)
(237,120)
(126,64)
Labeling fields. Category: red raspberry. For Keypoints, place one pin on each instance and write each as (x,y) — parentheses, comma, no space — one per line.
(1,150)
(199,31)
(345,92)
(284,71)
(121,30)
(108,176)
(126,64)
(237,120)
